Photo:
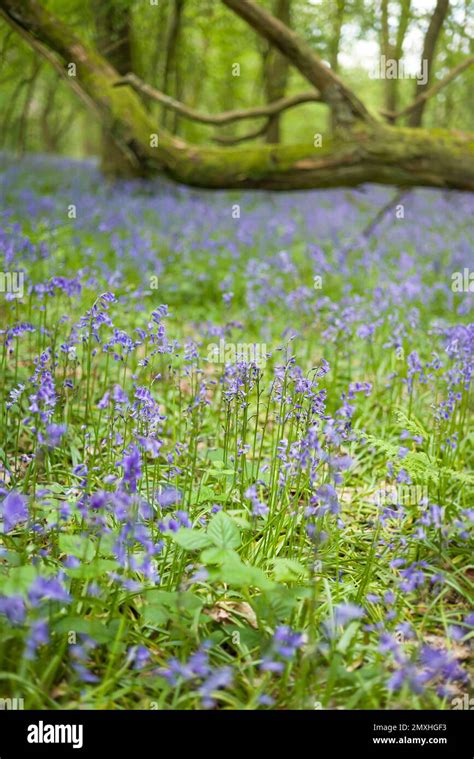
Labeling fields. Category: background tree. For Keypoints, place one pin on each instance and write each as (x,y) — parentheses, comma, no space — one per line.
(114,41)
(393,50)
(362,148)
(276,72)
(429,47)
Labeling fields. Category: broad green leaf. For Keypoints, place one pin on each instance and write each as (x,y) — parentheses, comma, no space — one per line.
(191,540)
(93,569)
(234,572)
(18,581)
(277,603)
(77,545)
(217,555)
(92,627)
(288,570)
(161,606)
(223,531)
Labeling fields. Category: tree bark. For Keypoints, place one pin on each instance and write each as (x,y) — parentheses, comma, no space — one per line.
(427,94)
(218,119)
(370,152)
(113,35)
(429,49)
(276,73)
(346,106)
(171,65)
(394,50)
(338,19)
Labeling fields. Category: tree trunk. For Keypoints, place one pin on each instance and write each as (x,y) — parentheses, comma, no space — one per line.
(338,18)
(113,35)
(171,64)
(370,152)
(429,48)
(276,73)
(393,51)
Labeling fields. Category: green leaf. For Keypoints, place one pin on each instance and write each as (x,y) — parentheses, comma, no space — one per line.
(217,555)
(18,581)
(223,531)
(92,627)
(191,540)
(288,570)
(77,545)
(154,615)
(348,636)
(277,604)
(93,570)
(202,494)
(162,605)
(234,572)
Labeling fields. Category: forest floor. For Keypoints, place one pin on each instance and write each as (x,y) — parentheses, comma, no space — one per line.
(235,459)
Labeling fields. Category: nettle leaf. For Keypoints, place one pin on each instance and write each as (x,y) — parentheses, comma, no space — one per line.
(175,599)
(234,572)
(202,494)
(79,546)
(278,603)
(93,569)
(191,540)
(18,580)
(160,606)
(223,531)
(288,570)
(216,555)
(92,627)
(154,615)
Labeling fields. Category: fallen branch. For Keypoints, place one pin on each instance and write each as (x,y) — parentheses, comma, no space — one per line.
(380,215)
(218,119)
(372,152)
(234,140)
(432,91)
(345,105)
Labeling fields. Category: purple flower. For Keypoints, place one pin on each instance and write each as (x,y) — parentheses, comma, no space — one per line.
(139,656)
(270,665)
(372,598)
(345,613)
(217,680)
(388,644)
(50,589)
(13,607)
(168,497)
(53,435)
(132,471)
(408,674)
(266,700)
(286,641)
(413,577)
(39,636)
(440,663)
(469,620)
(259,509)
(328,496)
(14,510)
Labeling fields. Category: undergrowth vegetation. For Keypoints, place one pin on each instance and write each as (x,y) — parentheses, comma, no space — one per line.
(287,529)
